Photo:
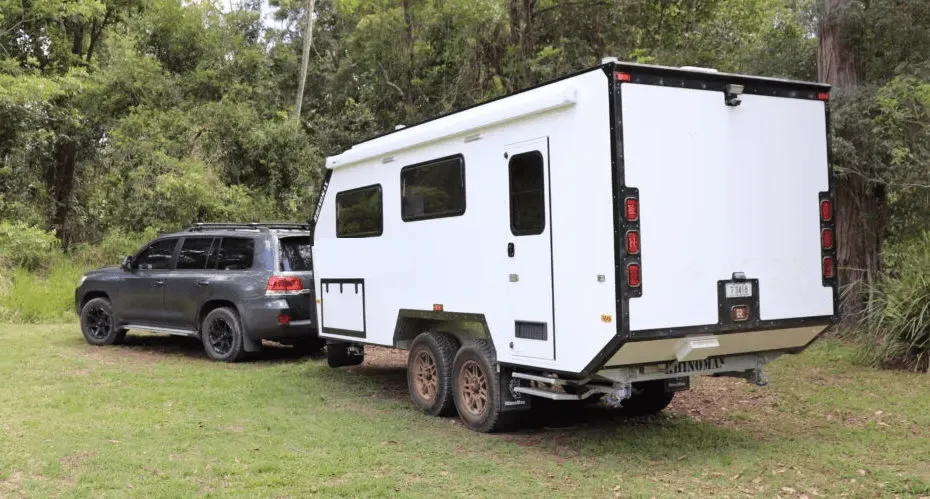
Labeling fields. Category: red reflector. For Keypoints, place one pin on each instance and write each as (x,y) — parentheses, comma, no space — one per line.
(823,96)
(632,209)
(437,307)
(281,284)
(632,242)
(826,210)
(826,238)
(739,313)
(828,270)
(624,77)
(633,277)
(284,319)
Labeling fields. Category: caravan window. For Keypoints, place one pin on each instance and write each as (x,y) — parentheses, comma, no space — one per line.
(359,212)
(434,189)
(527,194)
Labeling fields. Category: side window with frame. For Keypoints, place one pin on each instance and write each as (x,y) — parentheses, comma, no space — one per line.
(359,212)
(527,194)
(195,252)
(157,256)
(235,253)
(433,189)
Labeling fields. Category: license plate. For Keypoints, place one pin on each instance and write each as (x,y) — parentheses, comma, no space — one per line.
(738,289)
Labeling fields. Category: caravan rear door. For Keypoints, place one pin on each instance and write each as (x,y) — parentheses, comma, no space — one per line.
(729,199)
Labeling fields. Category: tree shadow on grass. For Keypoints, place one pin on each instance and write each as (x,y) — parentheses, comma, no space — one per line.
(592,429)
(156,346)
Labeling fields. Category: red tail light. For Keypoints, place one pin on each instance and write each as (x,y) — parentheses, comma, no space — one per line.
(828,269)
(284,319)
(632,209)
(826,238)
(826,210)
(284,284)
(632,242)
(623,77)
(823,96)
(633,276)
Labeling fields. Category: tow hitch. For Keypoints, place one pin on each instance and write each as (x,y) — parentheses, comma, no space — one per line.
(620,392)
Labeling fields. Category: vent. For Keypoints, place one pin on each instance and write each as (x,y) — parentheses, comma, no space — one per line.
(531,330)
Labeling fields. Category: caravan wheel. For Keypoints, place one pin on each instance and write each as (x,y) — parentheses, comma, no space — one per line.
(477,388)
(429,373)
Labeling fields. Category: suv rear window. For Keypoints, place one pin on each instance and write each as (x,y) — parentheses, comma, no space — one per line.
(294,254)
(236,253)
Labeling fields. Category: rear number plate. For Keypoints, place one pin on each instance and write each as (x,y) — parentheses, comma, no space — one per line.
(738,289)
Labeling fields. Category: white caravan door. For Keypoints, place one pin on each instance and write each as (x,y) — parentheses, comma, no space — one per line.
(529,248)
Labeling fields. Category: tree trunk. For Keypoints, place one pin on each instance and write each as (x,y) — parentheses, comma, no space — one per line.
(61,185)
(861,205)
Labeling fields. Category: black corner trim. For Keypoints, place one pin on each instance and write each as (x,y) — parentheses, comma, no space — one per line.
(319,203)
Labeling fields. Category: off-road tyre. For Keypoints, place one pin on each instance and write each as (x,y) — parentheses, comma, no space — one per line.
(99,325)
(338,355)
(476,388)
(221,333)
(649,397)
(429,373)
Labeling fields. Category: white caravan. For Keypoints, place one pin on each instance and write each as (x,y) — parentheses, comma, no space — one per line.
(613,232)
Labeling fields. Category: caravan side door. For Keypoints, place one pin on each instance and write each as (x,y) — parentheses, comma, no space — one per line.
(529,248)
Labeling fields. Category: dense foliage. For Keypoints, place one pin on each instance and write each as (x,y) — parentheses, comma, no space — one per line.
(122,115)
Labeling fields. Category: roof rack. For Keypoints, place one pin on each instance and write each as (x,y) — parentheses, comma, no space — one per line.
(248,226)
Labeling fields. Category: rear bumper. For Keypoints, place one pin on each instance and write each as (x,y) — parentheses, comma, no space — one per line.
(260,318)
(743,342)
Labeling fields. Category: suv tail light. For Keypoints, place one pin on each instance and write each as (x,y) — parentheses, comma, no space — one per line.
(284,284)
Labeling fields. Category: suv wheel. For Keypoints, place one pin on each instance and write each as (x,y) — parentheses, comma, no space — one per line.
(98,324)
(221,333)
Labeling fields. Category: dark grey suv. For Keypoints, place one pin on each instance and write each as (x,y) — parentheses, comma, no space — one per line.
(231,285)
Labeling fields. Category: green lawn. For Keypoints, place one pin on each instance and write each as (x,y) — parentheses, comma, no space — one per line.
(155,418)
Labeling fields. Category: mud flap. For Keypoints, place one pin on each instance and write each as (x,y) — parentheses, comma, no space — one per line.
(511,400)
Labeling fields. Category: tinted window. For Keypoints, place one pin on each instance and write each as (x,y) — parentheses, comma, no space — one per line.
(236,253)
(358,212)
(194,252)
(294,254)
(432,190)
(527,194)
(157,256)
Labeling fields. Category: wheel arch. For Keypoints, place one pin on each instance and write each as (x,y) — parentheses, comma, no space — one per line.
(461,326)
(90,295)
(211,305)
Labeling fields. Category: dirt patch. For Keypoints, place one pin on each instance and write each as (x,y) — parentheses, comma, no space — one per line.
(76,460)
(724,401)
(382,357)
(12,484)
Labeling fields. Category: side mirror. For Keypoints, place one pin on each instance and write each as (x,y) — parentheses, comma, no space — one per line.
(127,263)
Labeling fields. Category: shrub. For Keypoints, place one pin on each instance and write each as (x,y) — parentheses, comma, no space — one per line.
(28,297)
(895,327)
(22,245)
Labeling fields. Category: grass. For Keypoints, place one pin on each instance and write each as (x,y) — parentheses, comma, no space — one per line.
(28,297)
(155,418)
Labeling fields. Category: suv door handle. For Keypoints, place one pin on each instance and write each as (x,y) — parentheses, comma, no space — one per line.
(203,283)
(158,284)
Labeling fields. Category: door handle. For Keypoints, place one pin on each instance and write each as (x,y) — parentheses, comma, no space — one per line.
(203,283)
(510,250)
(158,284)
